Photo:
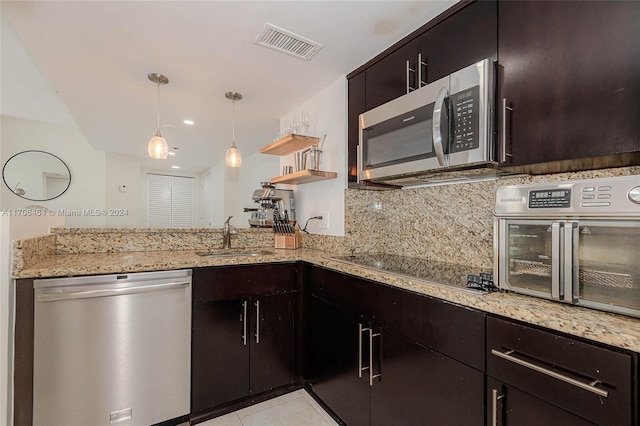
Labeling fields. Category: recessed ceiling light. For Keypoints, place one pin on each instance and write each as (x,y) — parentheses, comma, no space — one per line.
(188,122)
(172,153)
(175,167)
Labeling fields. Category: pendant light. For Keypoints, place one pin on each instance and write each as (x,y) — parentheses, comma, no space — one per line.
(158,147)
(233,158)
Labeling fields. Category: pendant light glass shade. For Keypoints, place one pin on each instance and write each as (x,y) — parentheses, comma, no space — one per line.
(233,158)
(158,147)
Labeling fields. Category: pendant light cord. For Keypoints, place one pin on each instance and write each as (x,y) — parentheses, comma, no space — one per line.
(233,124)
(158,106)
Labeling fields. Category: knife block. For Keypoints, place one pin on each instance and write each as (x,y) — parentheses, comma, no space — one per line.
(289,241)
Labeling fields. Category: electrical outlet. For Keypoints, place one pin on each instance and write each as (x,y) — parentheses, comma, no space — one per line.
(324,222)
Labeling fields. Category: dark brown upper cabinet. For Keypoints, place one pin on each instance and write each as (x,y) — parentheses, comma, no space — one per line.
(392,76)
(570,84)
(355,106)
(465,38)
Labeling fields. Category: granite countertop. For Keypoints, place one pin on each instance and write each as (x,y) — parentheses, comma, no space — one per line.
(612,329)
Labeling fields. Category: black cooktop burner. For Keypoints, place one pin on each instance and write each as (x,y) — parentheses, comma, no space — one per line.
(428,270)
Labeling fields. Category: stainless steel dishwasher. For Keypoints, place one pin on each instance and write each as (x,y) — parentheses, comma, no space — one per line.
(112,349)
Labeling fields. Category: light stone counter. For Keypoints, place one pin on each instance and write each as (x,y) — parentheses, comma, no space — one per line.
(611,329)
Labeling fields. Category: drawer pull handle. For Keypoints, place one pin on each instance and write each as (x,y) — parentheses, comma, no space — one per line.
(586,386)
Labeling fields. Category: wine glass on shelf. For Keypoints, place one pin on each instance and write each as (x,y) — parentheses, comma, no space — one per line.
(296,124)
(285,128)
(306,120)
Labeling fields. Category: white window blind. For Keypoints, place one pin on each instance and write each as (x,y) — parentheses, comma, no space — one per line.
(170,201)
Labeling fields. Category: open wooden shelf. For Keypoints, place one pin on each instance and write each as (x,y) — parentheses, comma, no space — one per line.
(289,144)
(304,176)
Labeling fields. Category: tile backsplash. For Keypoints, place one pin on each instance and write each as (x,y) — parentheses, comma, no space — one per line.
(449,223)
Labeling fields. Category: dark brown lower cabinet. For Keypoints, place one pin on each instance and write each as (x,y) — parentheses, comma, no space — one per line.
(418,385)
(234,355)
(333,362)
(272,344)
(220,360)
(370,375)
(541,377)
(243,340)
(506,405)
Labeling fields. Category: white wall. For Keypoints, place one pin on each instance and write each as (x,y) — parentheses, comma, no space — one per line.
(233,188)
(255,169)
(329,109)
(87,166)
(13,228)
(123,170)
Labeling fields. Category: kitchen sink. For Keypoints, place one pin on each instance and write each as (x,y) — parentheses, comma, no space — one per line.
(234,253)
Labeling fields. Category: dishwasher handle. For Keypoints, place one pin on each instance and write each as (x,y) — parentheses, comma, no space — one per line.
(52,296)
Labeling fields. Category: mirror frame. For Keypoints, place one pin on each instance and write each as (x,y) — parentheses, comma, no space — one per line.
(35,199)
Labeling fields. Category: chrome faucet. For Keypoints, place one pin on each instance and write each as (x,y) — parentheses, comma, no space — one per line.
(227,231)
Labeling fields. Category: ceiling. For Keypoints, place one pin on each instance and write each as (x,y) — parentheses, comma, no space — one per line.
(95,56)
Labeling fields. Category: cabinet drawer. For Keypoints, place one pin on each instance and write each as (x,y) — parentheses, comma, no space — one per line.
(590,381)
(232,282)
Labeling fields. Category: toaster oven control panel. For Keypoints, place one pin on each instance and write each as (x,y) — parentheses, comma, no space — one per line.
(557,198)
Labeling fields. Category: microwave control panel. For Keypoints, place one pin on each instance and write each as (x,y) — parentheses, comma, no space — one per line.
(466,123)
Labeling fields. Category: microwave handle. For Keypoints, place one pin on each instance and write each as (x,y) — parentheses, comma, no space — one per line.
(556,279)
(436,128)
(570,265)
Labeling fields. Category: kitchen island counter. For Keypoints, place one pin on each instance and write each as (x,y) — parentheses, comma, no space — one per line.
(612,329)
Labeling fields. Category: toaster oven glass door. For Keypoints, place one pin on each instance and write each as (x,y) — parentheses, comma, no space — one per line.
(609,266)
(405,138)
(527,256)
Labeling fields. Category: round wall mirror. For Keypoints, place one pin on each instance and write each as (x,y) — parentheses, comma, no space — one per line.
(36,175)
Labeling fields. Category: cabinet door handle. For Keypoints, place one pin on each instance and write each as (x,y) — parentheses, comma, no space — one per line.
(494,406)
(244,323)
(591,387)
(409,71)
(257,321)
(421,64)
(505,108)
(360,367)
(371,375)
(435,126)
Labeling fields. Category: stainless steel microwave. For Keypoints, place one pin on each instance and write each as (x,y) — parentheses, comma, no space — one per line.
(443,126)
(575,242)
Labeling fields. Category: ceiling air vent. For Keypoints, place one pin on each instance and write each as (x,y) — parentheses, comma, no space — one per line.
(286,42)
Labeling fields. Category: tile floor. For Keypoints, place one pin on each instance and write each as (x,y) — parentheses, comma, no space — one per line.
(296,408)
